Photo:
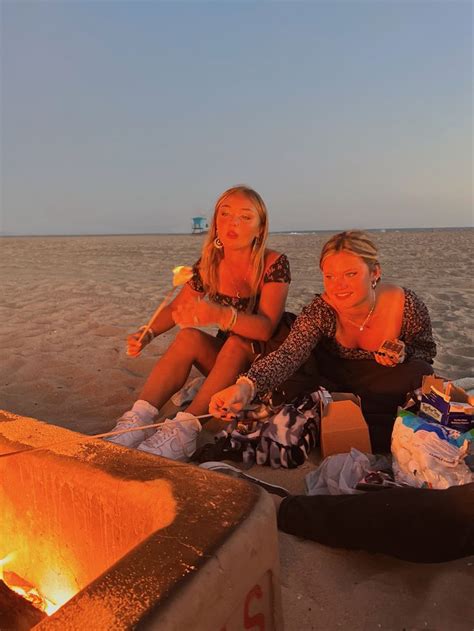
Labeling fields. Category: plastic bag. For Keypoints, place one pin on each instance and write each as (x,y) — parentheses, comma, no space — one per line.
(339,474)
(428,454)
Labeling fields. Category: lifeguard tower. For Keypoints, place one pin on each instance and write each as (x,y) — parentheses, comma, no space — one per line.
(200,225)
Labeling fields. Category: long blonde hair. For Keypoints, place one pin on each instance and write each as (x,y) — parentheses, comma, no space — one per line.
(212,256)
(353,241)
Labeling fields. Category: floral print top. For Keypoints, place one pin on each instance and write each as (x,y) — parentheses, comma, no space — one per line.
(277,272)
(317,324)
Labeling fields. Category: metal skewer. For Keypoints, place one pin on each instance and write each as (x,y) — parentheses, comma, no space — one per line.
(106,434)
(86,437)
(160,308)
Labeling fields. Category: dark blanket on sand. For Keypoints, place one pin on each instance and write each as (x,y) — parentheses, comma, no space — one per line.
(424,525)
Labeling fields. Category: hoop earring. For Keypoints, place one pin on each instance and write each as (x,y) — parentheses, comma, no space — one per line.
(374,282)
(218,243)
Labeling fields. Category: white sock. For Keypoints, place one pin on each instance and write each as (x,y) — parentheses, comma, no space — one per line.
(186,416)
(146,411)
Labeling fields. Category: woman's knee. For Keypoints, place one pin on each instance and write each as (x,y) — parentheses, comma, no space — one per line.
(190,339)
(235,345)
(419,367)
(411,373)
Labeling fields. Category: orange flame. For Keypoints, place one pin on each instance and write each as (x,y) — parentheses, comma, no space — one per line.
(28,590)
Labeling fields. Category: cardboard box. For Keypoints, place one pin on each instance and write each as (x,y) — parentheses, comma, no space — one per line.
(445,403)
(343,425)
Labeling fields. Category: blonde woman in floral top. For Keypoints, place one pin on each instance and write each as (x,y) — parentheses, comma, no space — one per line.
(238,285)
(341,332)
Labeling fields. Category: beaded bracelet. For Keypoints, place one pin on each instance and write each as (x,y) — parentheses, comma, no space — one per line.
(249,382)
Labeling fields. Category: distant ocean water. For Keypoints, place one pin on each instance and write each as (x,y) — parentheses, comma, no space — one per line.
(275,232)
(335,230)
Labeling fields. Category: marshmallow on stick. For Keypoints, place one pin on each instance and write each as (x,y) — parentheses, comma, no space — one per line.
(181,275)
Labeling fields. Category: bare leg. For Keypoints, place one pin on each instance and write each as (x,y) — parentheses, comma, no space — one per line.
(222,362)
(235,356)
(190,347)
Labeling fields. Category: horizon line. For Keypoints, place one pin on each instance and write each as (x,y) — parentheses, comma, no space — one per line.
(181,234)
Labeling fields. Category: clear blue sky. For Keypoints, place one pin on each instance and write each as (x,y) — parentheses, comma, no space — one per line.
(131,117)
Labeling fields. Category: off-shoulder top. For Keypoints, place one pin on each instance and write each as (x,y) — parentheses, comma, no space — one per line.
(277,272)
(317,324)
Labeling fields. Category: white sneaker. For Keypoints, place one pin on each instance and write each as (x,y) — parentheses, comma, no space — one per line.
(174,439)
(142,413)
(130,439)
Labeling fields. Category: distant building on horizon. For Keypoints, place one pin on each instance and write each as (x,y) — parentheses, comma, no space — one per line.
(200,225)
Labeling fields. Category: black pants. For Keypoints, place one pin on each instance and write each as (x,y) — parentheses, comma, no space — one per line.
(422,525)
(380,389)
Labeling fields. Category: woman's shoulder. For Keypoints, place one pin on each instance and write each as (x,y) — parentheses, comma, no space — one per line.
(413,302)
(277,267)
(195,282)
(320,307)
(407,297)
(389,290)
(390,298)
(272,256)
(321,315)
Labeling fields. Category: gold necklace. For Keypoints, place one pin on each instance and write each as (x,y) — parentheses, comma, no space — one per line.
(364,323)
(243,280)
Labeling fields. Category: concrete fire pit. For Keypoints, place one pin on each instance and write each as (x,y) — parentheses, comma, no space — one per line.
(128,540)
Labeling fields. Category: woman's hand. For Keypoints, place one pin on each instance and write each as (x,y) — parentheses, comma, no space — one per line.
(134,347)
(390,359)
(229,403)
(197,312)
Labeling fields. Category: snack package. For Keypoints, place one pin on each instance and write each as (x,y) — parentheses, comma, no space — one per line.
(393,349)
(443,402)
(429,454)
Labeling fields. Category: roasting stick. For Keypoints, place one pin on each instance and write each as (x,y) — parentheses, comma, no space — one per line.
(181,275)
(86,437)
(106,434)
(159,309)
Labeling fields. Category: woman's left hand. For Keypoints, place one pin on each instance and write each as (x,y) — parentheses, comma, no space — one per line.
(390,361)
(196,312)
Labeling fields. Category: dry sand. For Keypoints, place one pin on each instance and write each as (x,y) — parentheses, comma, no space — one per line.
(67,305)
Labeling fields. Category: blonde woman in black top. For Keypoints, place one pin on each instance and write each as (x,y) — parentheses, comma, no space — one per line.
(238,285)
(342,331)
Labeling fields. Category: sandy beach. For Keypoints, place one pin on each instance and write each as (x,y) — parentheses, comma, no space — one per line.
(67,305)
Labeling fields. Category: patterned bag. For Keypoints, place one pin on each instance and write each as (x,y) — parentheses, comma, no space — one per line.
(287,437)
(283,439)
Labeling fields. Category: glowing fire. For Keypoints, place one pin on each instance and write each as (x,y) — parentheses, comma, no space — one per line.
(26,589)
